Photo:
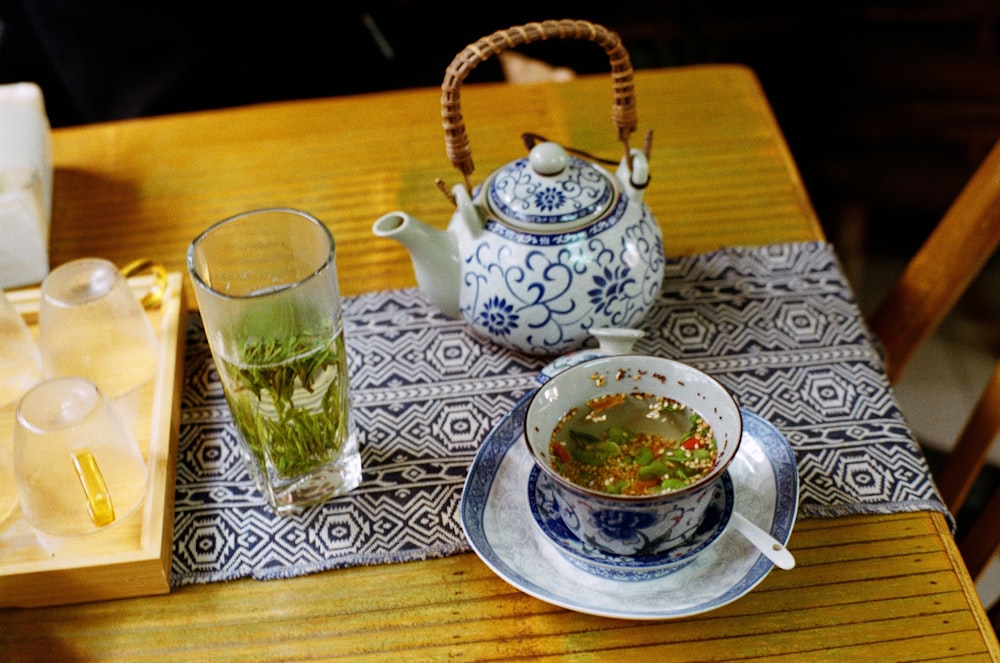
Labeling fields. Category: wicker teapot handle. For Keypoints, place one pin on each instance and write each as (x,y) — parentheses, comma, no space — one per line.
(623,110)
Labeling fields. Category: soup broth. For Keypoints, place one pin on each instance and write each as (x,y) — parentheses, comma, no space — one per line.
(633,444)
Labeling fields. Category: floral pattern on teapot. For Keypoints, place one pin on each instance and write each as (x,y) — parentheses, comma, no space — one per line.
(541,293)
(544,250)
(581,192)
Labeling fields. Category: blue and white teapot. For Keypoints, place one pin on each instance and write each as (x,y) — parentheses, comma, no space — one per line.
(550,245)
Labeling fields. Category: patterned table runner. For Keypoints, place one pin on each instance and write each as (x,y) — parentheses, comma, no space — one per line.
(777,324)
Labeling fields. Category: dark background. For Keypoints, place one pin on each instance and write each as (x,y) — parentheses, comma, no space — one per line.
(887,106)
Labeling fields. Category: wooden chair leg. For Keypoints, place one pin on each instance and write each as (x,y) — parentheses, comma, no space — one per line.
(980,544)
(968,456)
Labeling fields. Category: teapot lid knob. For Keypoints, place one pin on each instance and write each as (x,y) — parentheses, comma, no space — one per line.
(548,158)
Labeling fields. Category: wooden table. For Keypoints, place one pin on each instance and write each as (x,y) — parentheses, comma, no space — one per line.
(866,587)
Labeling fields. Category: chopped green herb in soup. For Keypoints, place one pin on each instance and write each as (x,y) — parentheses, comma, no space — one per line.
(633,444)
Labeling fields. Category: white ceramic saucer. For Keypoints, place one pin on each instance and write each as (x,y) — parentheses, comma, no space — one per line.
(498,523)
(634,568)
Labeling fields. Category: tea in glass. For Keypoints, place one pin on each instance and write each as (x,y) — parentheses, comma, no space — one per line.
(266,284)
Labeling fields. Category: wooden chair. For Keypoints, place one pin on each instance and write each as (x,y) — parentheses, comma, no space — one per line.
(930,286)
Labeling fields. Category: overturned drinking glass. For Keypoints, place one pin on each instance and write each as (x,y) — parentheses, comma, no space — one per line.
(92,325)
(20,366)
(77,466)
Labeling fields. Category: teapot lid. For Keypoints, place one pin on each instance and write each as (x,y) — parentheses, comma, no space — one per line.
(550,191)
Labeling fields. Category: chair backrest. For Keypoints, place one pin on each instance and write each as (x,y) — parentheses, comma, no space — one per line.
(931,285)
(942,270)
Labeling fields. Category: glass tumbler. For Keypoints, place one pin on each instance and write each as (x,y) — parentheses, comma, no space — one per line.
(77,467)
(266,285)
(91,325)
(20,366)
(20,369)
(8,486)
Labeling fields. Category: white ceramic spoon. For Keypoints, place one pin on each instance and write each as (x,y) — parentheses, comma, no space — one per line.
(763,542)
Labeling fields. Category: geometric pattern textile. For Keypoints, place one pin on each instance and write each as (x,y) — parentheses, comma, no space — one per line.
(777,324)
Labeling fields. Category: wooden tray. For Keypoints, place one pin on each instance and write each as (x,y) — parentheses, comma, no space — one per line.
(132,558)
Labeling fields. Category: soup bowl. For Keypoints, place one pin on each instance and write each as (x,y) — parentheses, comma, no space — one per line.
(602,413)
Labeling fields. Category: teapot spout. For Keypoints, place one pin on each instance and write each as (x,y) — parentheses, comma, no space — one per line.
(434,254)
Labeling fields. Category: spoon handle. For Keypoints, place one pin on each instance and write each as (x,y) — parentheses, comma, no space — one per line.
(763,541)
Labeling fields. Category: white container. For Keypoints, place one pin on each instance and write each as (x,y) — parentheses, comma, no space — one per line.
(25,185)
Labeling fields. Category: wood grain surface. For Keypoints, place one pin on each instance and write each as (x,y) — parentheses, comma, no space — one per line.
(865,588)
(721,171)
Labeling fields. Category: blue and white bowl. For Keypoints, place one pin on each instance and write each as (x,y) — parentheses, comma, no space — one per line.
(545,511)
(632,524)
